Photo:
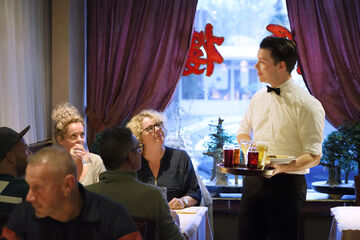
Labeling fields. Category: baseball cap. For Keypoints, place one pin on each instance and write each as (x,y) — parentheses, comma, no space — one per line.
(8,138)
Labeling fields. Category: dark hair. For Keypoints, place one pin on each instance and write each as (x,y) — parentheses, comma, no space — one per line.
(282,49)
(115,145)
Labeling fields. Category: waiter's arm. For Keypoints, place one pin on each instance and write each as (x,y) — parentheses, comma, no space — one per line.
(243,137)
(302,162)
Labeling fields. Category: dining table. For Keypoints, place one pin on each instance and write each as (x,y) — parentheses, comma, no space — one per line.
(345,224)
(194,223)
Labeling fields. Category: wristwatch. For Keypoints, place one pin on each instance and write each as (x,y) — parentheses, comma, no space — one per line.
(186,202)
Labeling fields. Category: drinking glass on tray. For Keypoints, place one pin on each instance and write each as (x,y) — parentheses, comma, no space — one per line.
(262,147)
(253,157)
(245,146)
(228,156)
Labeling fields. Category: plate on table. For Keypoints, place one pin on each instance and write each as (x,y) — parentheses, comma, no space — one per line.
(281,159)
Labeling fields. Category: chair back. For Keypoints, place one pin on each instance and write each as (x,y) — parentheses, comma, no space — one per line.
(357,189)
(39,145)
(146,227)
(206,200)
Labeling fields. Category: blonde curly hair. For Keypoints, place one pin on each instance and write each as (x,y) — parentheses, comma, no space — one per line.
(62,115)
(135,123)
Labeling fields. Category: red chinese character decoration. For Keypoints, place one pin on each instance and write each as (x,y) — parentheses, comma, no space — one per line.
(280,31)
(194,60)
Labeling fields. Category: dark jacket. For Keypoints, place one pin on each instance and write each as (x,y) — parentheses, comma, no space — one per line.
(100,218)
(176,173)
(15,192)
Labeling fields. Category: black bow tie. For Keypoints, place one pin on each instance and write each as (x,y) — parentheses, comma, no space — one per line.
(276,90)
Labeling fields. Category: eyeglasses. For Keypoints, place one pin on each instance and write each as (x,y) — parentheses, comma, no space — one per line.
(138,148)
(152,127)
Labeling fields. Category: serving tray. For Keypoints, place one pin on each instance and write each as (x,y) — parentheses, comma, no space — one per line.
(245,171)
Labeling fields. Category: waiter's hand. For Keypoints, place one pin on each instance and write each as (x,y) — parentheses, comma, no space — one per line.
(302,162)
(279,168)
(176,203)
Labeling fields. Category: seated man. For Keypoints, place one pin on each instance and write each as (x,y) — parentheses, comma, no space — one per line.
(58,207)
(13,161)
(121,155)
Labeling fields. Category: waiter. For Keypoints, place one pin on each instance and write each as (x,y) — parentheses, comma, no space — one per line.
(292,122)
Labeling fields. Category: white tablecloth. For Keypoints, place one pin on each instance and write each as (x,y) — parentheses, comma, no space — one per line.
(345,224)
(195,224)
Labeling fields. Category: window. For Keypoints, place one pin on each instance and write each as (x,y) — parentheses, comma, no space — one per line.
(200,100)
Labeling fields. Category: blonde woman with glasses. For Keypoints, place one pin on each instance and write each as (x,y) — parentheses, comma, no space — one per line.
(163,166)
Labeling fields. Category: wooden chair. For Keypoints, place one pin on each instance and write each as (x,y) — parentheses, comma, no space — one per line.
(39,145)
(206,200)
(146,227)
(357,189)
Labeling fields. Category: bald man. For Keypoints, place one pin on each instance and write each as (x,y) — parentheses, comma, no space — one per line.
(58,207)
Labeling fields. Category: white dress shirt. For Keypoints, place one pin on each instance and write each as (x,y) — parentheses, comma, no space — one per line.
(291,123)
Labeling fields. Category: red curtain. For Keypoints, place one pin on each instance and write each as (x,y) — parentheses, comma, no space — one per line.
(327,34)
(136,54)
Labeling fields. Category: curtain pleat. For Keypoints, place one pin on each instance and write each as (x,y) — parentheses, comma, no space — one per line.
(136,55)
(25,67)
(327,36)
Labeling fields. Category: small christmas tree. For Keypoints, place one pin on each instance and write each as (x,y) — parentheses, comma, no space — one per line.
(214,148)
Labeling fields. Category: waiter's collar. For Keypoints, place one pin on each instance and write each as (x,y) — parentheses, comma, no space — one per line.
(288,83)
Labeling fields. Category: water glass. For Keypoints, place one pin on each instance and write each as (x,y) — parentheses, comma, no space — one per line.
(85,157)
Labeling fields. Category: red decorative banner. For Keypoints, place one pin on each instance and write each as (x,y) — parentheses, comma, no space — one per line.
(194,60)
(280,31)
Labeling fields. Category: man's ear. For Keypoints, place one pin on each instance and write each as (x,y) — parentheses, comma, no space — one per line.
(282,66)
(69,184)
(10,157)
(130,157)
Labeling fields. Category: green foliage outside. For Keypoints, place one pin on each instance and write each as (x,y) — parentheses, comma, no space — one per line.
(342,148)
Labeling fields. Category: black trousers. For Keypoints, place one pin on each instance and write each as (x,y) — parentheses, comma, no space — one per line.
(270,207)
